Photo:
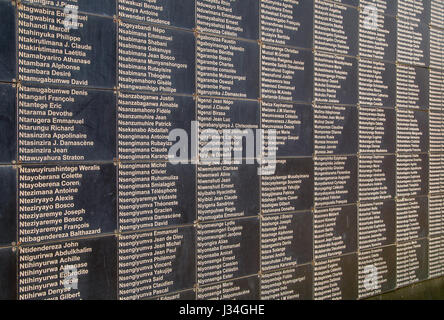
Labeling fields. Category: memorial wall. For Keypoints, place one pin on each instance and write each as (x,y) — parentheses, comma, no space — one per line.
(93,208)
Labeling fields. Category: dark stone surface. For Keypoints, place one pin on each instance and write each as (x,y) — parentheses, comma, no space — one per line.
(302,13)
(96,113)
(8,144)
(8,274)
(102,7)
(157,276)
(289,284)
(96,270)
(94,194)
(299,189)
(167,66)
(97,32)
(244,234)
(152,194)
(244,289)
(167,12)
(7,41)
(248,10)
(8,216)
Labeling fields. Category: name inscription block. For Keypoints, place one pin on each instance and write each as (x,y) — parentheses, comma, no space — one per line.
(286,240)
(156,59)
(287,23)
(155,194)
(227,250)
(62,124)
(228,18)
(288,284)
(71,270)
(164,12)
(378,265)
(153,263)
(51,54)
(290,189)
(335,278)
(68,201)
(223,67)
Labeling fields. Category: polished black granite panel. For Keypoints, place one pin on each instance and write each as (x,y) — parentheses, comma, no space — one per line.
(155,59)
(144,123)
(412,219)
(335,231)
(227,191)
(294,128)
(290,188)
(66,201)
(227,250)
(286,240)
(7,41)
(377,132)
(436,267)
(51,54)
(68,125)
(413,42)
(377,36)
(413,87)
(239,289)
(288,284)
(72,270)
(286,74)
(238,19)
(154,263)
(336,180)
(336,130)
(411,262)
(156,194)
(437,14)
(164,12)
(8,139)
(377,84)
(412,131)
(377,224)
(287,23)
(336,28)
(335,79)
(436,174)
(412,174)
(377,177)
(8,274)
(235,122)
(8,196)
(227,73)
(336,278)
(415,10)
(101,7)
(377,271)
